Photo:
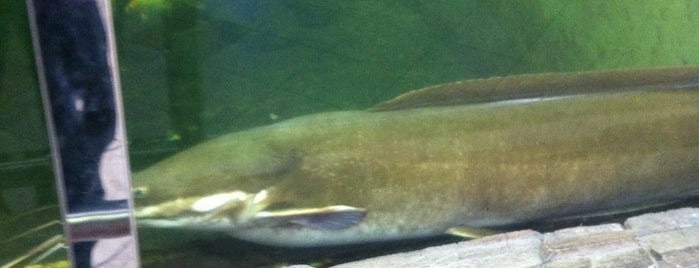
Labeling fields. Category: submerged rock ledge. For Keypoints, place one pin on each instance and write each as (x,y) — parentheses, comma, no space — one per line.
(663,239)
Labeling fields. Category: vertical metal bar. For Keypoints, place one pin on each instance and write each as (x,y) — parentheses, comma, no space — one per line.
(76,62)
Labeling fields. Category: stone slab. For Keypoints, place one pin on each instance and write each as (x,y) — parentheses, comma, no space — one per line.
(663,239)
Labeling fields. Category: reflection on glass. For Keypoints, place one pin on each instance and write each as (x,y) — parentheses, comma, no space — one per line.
(195,70)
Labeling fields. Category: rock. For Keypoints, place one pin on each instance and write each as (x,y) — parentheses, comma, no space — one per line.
(671,237)
(664,239)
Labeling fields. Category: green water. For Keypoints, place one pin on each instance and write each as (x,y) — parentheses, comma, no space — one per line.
(192,70)
(247,60)
(27,192)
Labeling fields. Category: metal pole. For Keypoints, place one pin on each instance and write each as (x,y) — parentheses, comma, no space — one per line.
(76,62)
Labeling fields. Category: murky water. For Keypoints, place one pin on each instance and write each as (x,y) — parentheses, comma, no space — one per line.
(193,70)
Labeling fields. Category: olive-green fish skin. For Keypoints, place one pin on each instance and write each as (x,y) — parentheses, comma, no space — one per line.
(418,172)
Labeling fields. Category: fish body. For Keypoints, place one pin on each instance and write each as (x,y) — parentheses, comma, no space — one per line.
(361,176)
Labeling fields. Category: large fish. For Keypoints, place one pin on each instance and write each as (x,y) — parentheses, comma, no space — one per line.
(475,154)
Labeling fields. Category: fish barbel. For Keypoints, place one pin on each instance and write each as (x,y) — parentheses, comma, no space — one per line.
(479,154)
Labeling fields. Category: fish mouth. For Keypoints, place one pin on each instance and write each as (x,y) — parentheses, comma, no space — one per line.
(234,208)
(238,210)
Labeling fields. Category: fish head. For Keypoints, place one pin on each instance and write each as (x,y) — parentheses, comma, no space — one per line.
(236,162)
(235,184)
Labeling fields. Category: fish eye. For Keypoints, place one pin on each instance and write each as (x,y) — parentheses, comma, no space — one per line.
(139,192)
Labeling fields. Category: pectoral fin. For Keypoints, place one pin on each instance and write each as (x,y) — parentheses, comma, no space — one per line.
(329,218)
(470,233)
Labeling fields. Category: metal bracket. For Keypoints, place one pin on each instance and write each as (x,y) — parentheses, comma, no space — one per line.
(76,62)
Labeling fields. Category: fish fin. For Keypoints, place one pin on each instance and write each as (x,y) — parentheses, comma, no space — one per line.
(470,233)
(542,85)
(329,218)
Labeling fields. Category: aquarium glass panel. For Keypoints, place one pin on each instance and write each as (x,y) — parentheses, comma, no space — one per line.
(270,83)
